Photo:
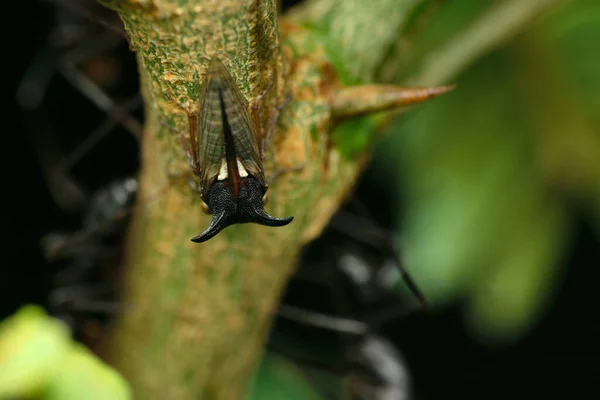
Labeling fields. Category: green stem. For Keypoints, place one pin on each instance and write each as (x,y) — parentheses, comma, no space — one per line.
(496,26)
(199,313)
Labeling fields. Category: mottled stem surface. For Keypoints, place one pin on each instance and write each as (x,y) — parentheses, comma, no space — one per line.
(197,314)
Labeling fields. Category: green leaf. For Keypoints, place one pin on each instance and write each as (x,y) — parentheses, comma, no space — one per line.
(510,299)
(39,359)
(31,349)
(83,376)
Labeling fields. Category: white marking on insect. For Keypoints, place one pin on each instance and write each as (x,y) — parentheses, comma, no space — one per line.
(242,171)
(223,170)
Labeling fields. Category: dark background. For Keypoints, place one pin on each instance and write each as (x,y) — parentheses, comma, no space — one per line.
(558,359)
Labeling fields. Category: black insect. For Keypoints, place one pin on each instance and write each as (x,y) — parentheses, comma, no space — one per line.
(377,370)
(347,288)
(85,285)
(223,151)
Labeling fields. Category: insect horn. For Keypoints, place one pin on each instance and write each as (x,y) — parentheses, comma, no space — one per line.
(218,223)
(227,210)
(261,217)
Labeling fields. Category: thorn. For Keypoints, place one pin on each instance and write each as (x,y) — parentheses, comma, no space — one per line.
(368,99)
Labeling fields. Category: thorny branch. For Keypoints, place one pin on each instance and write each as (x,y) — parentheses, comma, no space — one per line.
(204,310)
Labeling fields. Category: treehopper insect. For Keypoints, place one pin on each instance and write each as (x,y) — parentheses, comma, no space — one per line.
(223,151)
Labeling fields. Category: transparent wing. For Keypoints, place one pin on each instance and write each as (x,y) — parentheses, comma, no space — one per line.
(242,129)
(211,146)
(210,149)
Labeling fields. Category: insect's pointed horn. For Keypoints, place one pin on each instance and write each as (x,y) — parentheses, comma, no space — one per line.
(218,223)
(263,218)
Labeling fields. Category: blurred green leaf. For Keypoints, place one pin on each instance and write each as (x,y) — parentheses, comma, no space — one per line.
(492,171)
(510,297)
(278,379)
(83,376)
(39,360)
(31,348)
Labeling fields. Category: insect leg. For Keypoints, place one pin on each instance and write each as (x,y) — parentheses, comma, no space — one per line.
(255,111)
(321,320)
(185,144)
(274,119)
(30,95)
(106,214)
(98,134)
(93,12)
(91,90)
(84,298)
(364,230)
(65,191)
(188,144)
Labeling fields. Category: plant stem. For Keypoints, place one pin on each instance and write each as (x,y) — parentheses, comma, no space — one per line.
(198,313)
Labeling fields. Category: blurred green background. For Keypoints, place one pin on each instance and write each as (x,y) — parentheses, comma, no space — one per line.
(494,173)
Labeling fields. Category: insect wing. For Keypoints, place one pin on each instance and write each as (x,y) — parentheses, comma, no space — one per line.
(238,117)
(244,134)
(210,147)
